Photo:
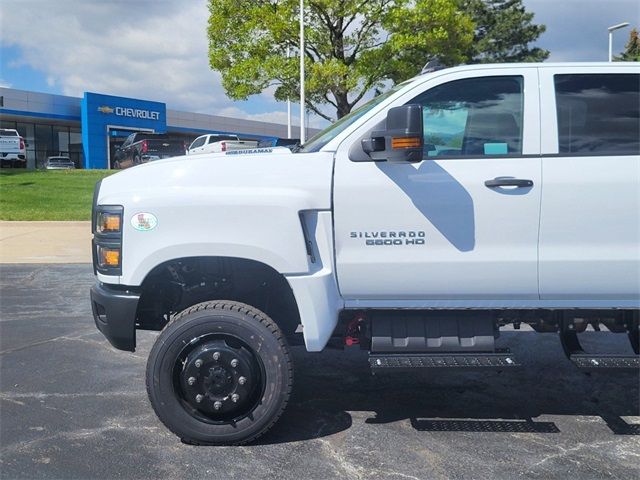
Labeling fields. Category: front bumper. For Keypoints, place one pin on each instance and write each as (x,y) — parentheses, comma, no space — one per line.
(114,312)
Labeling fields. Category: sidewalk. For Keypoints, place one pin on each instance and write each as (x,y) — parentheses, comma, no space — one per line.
(45,242)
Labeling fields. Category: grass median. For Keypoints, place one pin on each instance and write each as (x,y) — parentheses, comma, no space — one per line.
(48,194)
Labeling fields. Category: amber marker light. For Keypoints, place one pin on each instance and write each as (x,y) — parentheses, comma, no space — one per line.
(108,257)
(108,222)
(406,142)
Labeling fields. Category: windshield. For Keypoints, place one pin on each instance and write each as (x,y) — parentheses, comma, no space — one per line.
(321,139)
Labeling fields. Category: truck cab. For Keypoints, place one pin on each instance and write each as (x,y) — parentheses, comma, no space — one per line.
(458,202)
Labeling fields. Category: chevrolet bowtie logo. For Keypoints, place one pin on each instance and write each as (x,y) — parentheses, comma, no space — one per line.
(105,109)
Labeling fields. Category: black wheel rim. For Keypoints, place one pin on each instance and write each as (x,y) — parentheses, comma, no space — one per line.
(218,378)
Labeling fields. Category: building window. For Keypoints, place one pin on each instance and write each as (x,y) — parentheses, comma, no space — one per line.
(44,144)
(60,140)
(75,147)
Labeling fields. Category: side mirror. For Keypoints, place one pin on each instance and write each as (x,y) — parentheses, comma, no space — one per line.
(401,141)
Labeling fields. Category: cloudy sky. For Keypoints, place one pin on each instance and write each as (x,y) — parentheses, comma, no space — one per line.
(157,49)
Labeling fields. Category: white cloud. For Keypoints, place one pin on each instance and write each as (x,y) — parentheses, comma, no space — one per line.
(144,49)
(270,117)
(275,117)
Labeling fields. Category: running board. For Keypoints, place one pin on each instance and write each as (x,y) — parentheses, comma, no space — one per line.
(396,362)
(584,361)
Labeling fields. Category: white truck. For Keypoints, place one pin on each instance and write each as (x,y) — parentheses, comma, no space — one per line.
(12,149)
(216,143)
(459,202)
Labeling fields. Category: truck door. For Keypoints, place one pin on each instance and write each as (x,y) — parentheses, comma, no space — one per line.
(198,145)
(461,224)
(590,222)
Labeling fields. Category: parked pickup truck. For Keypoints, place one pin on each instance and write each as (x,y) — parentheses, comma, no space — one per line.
(459,202)
(216,143)
(12,148)
(141,147)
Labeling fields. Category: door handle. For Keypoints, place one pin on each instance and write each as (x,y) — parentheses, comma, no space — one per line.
(508,182)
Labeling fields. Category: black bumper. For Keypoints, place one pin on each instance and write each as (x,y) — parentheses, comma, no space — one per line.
(114,312)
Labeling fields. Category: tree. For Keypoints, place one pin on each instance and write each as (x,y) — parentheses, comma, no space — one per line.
(352,46)
(503,32)
(632,48)
(356,46)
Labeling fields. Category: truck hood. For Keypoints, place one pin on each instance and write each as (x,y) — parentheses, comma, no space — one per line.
(256,173)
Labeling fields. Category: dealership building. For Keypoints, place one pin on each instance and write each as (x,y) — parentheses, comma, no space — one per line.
(91,128)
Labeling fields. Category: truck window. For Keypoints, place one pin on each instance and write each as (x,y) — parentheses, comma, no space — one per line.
(220,138)
(198,142)
(598,113)
(473,117)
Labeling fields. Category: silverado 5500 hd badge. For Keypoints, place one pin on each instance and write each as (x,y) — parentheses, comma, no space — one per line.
(391,237)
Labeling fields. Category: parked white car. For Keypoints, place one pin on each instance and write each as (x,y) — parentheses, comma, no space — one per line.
(59,163)
(456,203)
(12,148)
(216,143)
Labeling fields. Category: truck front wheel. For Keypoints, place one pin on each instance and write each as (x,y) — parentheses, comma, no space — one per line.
(219,374)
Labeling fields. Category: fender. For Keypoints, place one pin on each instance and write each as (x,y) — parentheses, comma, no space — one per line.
(242,206)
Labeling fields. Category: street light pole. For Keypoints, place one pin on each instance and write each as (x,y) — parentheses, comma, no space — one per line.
(302,109)
(611,29)
(288,106)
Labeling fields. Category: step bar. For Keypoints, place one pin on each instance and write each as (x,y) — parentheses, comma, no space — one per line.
(594,361)
(409,362)
(585,361)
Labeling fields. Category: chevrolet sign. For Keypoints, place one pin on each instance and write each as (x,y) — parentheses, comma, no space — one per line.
(131,112)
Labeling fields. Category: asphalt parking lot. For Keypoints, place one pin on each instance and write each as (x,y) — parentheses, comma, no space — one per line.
(73,407)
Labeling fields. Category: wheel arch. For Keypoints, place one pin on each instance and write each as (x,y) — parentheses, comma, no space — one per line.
(179,283)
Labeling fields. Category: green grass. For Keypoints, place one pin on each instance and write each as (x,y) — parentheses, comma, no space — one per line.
(47,195)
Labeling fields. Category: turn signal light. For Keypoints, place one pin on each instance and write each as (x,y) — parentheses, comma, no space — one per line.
(108,257)
(406,142)
(108,222)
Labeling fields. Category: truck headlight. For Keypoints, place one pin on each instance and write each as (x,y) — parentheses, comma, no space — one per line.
(108,222)
(107,239)
(108,257)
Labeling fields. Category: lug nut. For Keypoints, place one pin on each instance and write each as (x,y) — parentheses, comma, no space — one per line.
(199,398)
(217,405)
(198,363)
(216,355)
(191,380)
(242,380)
(234,362)
(235,397)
